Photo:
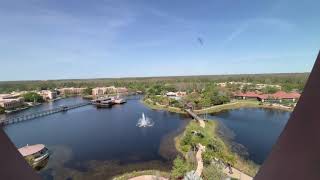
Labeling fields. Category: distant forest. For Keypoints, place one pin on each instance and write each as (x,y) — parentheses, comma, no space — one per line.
(289,81)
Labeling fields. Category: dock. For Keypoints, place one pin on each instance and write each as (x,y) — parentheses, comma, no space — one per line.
(26,117)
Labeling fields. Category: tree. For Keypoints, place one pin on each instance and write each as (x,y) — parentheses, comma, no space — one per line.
(213,172)
(2,110)
(269,90)
(180,168)
(87,91)
(32,97)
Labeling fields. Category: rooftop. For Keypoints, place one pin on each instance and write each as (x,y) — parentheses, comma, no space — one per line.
(29,150)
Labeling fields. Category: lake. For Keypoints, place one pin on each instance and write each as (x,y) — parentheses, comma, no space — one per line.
(257,129)
(103,142)
(88,142)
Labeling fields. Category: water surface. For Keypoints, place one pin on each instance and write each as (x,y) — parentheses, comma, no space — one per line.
(257,129)
(88,141)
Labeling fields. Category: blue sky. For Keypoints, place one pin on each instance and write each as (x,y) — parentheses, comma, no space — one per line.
(51,39)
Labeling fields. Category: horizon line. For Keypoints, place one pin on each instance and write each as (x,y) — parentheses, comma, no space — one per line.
(140,77)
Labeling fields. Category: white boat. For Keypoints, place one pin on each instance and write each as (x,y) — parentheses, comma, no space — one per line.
(34,154)
(119,101)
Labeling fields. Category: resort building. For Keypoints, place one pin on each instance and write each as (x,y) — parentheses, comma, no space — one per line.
(71,90)
(276,97)
(255,86)
(262,86)
(121,90)
(98,91)
(48,95)
(8,101)
(176,95)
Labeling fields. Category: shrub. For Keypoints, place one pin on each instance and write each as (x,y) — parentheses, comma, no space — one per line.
(32,97)
(213,172)
(2,110)
(180,168)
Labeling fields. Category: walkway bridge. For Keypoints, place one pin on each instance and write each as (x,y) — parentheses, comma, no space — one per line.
(26,117)
(196,117)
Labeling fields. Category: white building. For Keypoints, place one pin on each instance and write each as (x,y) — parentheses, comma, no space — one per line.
(9,101)
(99,91)
(71,90)
(48,95)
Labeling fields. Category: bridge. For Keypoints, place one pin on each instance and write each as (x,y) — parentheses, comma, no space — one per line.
(26,117)
(196,117)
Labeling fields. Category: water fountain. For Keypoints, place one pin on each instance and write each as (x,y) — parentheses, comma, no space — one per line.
(145,122)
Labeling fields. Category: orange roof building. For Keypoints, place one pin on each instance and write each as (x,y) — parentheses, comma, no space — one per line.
(278,96)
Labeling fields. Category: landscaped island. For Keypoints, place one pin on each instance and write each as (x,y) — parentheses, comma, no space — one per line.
(216,156)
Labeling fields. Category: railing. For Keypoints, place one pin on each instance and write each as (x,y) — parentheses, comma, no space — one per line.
(26,117)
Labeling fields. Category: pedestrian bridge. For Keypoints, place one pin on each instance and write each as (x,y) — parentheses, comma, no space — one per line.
(26,117)
(196,117)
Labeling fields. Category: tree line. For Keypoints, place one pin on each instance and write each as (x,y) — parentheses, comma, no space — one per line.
(288,81)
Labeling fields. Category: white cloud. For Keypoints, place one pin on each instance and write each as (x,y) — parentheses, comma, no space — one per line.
(274,23)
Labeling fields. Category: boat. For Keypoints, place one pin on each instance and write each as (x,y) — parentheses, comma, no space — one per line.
(35,154)
(103,103)
(119,101)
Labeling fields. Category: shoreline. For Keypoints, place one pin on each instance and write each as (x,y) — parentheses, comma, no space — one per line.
(216,109)
(241,163)
(238,105)
(245,165)
(161,107)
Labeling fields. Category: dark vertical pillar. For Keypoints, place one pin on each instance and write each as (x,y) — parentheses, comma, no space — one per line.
(296,155)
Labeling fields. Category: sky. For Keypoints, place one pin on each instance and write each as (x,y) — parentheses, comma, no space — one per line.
(58,39)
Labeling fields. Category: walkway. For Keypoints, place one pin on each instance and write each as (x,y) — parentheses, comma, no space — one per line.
(199,169)
(148,177)
(196,117)
(236,174)
(41,113)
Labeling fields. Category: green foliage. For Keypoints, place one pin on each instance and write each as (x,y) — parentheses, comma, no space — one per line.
(163,100)
(87,91)
(186,83)
(209,96)
(270,90)
(180,168)
(175,103)
(155,90)
(213,172)
(2,110)
(32,97)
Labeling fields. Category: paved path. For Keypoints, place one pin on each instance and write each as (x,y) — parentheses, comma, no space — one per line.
(237,174)
(196,117)
(199,169)
(148,177)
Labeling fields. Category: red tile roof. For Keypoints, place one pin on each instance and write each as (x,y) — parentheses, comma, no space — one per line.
(247,94)
(277,95)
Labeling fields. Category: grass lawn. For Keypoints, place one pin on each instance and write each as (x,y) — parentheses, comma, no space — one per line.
(149,103)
